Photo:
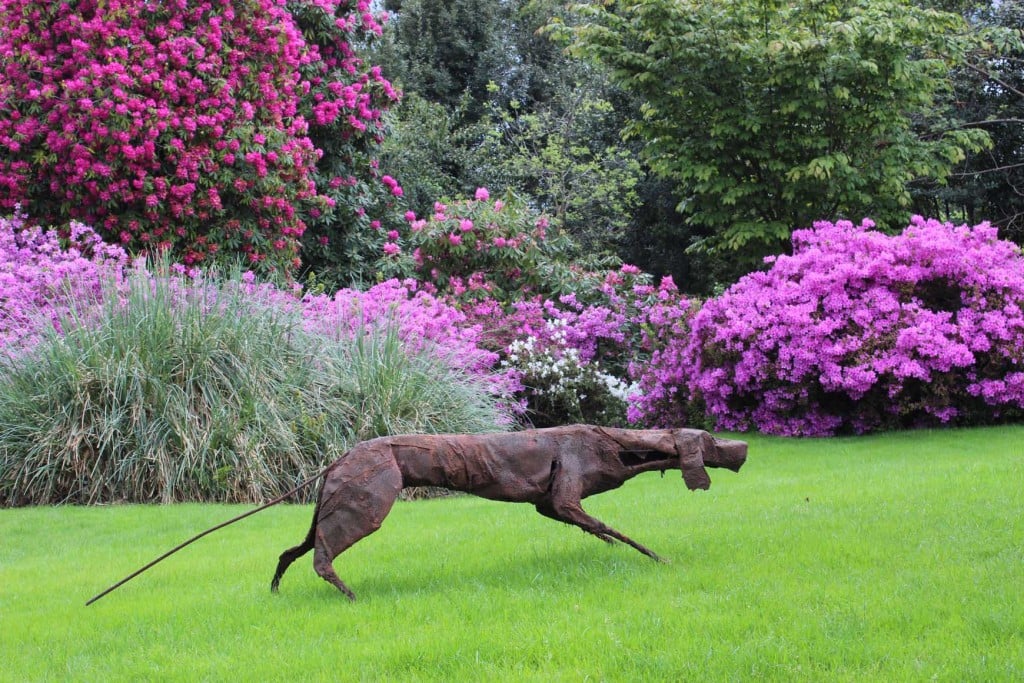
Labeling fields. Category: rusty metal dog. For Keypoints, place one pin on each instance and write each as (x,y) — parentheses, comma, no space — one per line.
(554,469)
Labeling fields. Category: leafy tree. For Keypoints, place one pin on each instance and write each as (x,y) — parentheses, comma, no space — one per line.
(442,50)
(568,160)
(988,92)
(768,115)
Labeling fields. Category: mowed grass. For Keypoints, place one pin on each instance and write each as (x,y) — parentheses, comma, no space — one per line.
(892,557)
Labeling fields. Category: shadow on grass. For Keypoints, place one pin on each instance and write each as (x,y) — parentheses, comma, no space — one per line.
(535,570)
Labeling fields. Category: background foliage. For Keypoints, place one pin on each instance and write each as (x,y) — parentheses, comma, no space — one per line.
(490,224)
(988,92)
(770,115)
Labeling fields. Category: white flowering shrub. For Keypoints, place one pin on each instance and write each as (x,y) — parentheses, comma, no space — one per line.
(560,387)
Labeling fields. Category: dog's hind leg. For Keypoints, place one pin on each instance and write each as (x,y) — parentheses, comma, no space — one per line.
(357,496)
(292,554)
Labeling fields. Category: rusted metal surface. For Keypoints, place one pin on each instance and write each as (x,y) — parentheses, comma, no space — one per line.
(554,469)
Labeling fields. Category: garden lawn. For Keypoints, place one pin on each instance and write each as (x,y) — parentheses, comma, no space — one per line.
(892,557)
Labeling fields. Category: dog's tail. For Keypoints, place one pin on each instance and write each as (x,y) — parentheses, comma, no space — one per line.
(209,531)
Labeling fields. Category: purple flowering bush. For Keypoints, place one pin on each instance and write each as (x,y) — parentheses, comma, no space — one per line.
(559,329)
(43,275)
(858,330)
(659,368)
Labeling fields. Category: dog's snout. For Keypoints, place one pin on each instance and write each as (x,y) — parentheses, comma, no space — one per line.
(729,453)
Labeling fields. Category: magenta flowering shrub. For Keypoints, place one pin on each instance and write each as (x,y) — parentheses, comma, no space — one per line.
(479,248)
(596,332)
(659,366)
(858,331)
(595,355)
(344,100)
(570,355)
(185,125)
(40,278)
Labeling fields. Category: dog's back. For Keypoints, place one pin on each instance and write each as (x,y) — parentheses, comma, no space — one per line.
(513,466)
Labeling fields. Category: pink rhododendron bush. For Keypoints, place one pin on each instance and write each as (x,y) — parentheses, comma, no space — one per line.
(858,331)
(473,249)
(194,127)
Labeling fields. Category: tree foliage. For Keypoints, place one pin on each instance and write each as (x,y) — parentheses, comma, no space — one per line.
(567,158)
(432,148)
(531,120)
(988,92)
(444,50)
(768,115)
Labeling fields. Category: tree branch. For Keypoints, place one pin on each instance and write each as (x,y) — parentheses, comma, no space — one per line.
(987,74)
(997,169)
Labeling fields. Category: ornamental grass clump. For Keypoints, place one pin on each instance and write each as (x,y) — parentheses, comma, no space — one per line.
(184,387)
(858,331)
(171,391)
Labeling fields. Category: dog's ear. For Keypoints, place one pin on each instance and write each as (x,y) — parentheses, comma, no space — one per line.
(690,447)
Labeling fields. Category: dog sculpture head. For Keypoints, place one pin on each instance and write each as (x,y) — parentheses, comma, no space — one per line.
(697,449)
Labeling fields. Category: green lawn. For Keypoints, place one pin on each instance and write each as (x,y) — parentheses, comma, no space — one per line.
(893,557)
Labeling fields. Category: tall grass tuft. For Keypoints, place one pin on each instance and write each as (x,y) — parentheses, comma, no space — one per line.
(204,390)
(393,391)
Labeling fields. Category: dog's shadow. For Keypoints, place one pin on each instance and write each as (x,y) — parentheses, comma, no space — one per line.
(537,569)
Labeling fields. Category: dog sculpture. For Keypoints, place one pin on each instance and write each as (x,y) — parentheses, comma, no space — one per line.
(552,468)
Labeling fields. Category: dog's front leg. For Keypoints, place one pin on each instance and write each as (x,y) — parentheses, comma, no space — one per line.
(548,511)
(565,505)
